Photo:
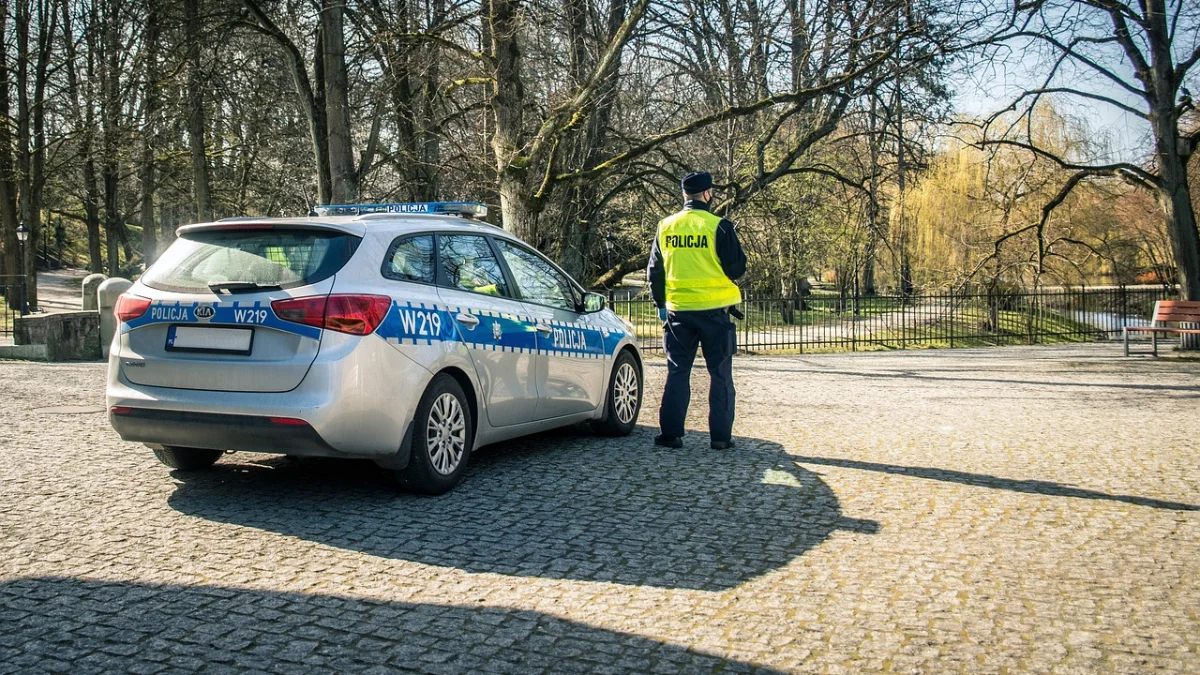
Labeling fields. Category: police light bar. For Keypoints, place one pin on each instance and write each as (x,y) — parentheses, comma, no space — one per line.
(464,209)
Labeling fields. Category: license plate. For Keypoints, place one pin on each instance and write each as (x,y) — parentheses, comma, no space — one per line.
(206,339)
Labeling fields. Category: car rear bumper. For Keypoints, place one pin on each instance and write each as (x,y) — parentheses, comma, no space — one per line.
(357,399)
(209,430)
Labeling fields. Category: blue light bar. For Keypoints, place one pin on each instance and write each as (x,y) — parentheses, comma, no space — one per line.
(465,209)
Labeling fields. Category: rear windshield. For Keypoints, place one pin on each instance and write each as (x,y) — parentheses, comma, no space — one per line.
(270,258)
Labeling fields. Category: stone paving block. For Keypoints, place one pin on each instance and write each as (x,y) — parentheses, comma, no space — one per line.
(1011,510)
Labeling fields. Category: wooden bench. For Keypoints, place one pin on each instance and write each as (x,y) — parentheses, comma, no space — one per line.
(1167,312)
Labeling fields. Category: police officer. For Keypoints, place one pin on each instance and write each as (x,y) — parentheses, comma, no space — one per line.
(694,261)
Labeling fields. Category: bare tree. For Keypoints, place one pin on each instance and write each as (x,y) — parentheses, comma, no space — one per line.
(1135,58)
(150,111)
(196,120)
(343,173)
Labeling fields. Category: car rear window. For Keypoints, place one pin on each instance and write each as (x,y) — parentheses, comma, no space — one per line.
(285,258)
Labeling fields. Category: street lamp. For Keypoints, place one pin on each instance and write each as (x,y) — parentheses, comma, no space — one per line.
(22,237)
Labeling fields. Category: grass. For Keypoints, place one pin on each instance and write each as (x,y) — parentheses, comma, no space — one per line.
(968,329)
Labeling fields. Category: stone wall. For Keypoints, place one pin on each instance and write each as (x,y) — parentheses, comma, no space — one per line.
(68,336)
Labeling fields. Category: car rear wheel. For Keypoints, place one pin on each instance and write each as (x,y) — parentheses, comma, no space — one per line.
(187,459)
(442,438)
(624,397)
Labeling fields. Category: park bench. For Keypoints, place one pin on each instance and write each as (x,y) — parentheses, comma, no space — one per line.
(1167,312)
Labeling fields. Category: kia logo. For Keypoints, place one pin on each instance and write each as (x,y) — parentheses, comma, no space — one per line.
(205,312)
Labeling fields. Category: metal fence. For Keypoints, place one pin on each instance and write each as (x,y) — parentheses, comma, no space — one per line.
(830,322)
(11,296)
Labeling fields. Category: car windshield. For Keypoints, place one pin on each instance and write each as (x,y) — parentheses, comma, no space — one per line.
(244,260)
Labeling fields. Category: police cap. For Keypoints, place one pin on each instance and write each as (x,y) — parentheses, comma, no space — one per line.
(697,182)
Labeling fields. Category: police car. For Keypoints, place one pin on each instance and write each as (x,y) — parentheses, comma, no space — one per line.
(409,334)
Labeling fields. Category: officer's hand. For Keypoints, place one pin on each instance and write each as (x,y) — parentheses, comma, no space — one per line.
(662,314)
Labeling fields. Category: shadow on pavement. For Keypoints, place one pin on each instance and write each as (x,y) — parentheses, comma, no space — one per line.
(70,625)
(1039,487)
(562,505)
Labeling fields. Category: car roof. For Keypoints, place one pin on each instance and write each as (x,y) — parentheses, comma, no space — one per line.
(359,225)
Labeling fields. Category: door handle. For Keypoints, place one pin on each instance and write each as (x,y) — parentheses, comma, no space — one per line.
(544,329)
(468,320)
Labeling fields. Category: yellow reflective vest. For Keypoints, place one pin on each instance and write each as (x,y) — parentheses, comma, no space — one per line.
(695,280)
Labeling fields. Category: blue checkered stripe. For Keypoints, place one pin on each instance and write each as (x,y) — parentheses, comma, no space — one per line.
(240,314)
(411,323)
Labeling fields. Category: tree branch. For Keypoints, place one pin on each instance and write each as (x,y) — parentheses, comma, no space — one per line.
(1115,169)
(731,112)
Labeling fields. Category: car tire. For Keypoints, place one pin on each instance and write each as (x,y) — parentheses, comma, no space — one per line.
(624,400)
(187,459)
(443,434)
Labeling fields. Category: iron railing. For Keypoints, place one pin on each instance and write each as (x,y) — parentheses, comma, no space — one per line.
(12,294)
(831,322)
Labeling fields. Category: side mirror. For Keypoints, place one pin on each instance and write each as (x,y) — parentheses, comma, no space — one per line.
(592,303)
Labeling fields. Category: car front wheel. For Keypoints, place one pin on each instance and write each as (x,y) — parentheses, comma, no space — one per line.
(624,397)
(441,440)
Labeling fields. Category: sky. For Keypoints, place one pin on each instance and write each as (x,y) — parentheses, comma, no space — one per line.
(984,87)
(985,90)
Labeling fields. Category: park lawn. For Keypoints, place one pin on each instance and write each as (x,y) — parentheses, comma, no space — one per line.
(966,330)
(766,314)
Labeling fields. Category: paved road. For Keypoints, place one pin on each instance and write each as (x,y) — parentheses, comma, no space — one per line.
(61,290)
(1012,510)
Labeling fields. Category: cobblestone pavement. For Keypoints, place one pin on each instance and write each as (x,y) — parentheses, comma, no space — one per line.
(1008,510)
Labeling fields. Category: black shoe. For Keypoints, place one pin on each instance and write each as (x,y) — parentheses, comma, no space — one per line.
(669,441)
(722,445)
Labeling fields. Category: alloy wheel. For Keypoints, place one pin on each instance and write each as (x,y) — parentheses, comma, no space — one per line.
(625,393)
(446,434)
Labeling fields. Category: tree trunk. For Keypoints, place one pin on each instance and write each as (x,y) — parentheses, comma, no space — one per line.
(517,208)
(799,47)
(486,45)
(343,172)
(47,25)
(91,204)
(873,224)
(1174,193)
(431,139)
(31,123)
(196,117)
(85,117)
(508,103)
(8,187)
(613,276)
(149,132)
(578,203)
(29,217)
(1176,201)
(109,112)
(312,98)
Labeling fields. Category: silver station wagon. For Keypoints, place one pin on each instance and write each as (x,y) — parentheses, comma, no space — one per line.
(409,334)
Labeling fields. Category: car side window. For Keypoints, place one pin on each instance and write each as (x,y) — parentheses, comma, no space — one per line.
(537,279)
(469,265)
(411,259)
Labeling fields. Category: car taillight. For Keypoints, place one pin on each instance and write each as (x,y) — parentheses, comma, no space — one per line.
(130,307)
(354,314)
(309,311)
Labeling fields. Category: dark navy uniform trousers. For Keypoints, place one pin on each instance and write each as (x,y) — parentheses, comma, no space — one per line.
(712,330)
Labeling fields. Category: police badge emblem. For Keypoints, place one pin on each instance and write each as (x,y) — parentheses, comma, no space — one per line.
(496,332)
